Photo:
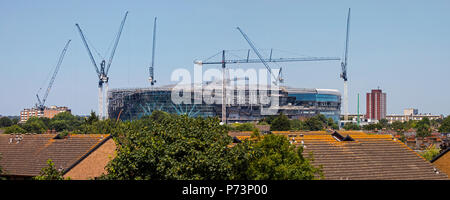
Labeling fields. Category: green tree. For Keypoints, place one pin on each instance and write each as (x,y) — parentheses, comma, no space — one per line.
(445,125)
(351,126)
(49,172)
(273,158)
(314,123)
(398,126)
(243,126)
(331,124)
(173,148)
(66,121)
(423,128)
(92,118)
(298,125)
(35,125)
(384,123)
(5,122)
(14,129)
(430,152)
(280,123)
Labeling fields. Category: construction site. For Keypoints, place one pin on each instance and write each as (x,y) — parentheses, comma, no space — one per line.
(231,106)
(295,102)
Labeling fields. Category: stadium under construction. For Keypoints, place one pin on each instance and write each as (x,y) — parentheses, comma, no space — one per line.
(230,102)
(131,104)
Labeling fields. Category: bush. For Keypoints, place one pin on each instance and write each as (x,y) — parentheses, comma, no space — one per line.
(49,172)
(273,158)
(280,123)
(5,122)
(184,148)
(430,152)
(14,129)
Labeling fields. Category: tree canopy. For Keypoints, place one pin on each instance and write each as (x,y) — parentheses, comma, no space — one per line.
(175,147)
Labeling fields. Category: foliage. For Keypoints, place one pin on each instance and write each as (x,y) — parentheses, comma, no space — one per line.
(183,148)
(298,125)
(398,126)
(430,152)
(35,125)
(280,123)
(5,122)
(49,172)
(314,124)
(92,118)
(272,158)
(383,123)
(175,147)
(423,127)
(445,125)
(376,126)
(14,129)
(351,126)
(243,126)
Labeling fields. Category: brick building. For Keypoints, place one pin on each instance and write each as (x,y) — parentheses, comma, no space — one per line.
(79,157)
(48,112)
(376,105)
(355,155)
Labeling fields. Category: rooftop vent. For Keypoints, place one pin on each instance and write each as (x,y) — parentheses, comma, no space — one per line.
(341,138)
(236,140)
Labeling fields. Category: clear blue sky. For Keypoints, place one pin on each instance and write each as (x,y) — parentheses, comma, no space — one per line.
(401,46)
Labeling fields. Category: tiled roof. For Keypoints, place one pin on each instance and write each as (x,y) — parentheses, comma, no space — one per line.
(29,155)
(368,157)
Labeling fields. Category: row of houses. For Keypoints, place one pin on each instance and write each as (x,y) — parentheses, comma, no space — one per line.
(349,155)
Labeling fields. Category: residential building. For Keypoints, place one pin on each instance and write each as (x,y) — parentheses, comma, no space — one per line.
(376,105)
(411,111)
(48,112)
(81,156)
(442,161)
(411,114)
(355,155)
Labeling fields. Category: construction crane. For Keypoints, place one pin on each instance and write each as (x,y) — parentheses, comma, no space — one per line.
(41,104)
(102,73)
(151,78)
(344,68)
(225,61)
(276,78)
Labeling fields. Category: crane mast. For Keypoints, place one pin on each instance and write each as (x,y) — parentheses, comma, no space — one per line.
(151,78)
(41,104)
(102,73)
(344,68)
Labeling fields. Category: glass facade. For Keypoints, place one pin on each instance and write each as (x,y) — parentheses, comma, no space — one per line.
(133,104)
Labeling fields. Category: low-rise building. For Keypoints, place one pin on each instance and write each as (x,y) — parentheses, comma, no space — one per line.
(411,114)
(48,112)
(442,161)
(77,156)
(405,118)
(355,155)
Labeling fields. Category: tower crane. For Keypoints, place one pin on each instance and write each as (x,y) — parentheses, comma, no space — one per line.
(260,59)
(41,104)
(102,73)
(344,68)
(151,78)
(276,78)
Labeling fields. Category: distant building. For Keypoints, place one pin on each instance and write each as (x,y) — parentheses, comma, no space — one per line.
(411,114)
(48,112)
(376,105)
(405,118)
(411,111)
